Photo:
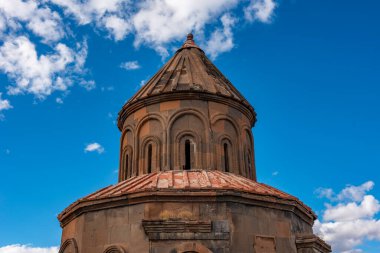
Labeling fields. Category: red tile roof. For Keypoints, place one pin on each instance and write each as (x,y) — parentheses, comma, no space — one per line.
(192,180)
(188,181)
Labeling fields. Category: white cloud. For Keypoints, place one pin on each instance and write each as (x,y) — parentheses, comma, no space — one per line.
(39,75)
(110,15)
(261,10)
(352,211)
(325,193)
(88,84)
(274,173)
(4,104)
(222,38)
(41,20)
(157,23)
(355,193)
(351,220)
(18,248)
(118,27)
(130,65)
(350,192)
(94,147)
(143,82)
(59,100)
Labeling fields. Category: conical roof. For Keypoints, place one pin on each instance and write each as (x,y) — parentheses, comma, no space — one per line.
(188,71)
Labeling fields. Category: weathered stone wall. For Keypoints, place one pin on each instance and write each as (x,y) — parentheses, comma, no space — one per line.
(220,138)
(177,227)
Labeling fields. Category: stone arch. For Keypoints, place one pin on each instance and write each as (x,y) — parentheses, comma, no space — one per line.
(155,143)
(249,160)
(127,163)
(69,246)
(224,126)
(143,131)
(230,157)
(114,249)
(228,118)
(196,148)
(197,122)
(126,139)
(192,247)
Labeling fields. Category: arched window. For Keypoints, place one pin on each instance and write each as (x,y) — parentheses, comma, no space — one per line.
(150,158)
(187,155)
(249,161)
(127,163)
(226,158)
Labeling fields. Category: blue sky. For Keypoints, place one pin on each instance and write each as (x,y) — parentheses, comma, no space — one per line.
(310,68)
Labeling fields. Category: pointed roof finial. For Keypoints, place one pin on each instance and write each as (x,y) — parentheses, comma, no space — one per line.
(189,42)
(190,36)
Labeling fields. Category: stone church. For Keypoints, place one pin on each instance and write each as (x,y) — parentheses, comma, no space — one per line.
(187,176)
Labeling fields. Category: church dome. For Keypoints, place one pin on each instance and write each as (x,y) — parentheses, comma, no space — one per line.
(187,116)
(189,73)
(187,176)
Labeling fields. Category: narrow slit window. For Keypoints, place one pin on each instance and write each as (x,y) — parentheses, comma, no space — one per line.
(226,158)
(149,158)
(126,165)
(187,155)
(249,162)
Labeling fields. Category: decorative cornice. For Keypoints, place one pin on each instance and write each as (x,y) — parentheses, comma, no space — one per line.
(173,195)
(131,107)
(176,226)
(183,230)
(312,242)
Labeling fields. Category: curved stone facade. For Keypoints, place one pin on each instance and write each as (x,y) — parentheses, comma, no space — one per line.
(154,139)
(216,225)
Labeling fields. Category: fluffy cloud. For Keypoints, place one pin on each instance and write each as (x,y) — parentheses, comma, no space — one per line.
(130,65)
(110,15)
(222,38)
(349,218)
(17,248)
(94,147)
(39,75)
(41,20)
(157,23)
(350,192)
(261,10)
(4,104)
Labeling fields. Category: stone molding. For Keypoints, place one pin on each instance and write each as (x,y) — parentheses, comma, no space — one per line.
(176,226)
(67,243)
(114,249)
(312,242)
(128,109)
(173,195)
(184,230)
